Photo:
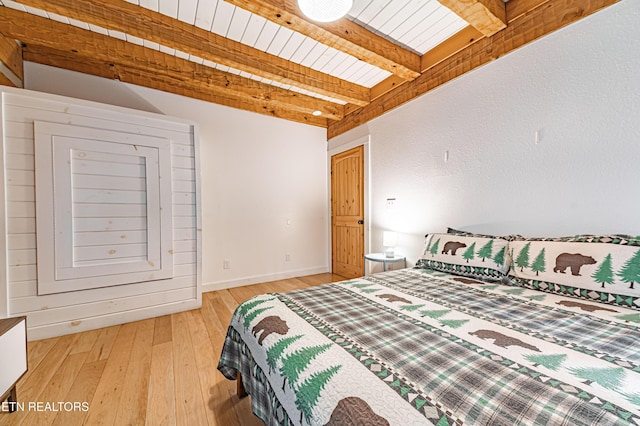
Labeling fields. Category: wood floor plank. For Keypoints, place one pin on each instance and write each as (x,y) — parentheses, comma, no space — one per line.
(82,392)
(161,402)
(55,390)
(132,409)
(86,341)
(190,406)
(104,405)
(159,371)
(162,331)
(104,343)
(206,361)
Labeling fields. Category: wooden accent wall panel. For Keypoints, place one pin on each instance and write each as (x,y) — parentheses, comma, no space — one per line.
(61,313)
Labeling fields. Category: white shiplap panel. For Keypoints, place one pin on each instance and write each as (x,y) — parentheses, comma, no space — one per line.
(413,37)
(222,19)
(183,174)
(22,289)
(281,38)
(184,210)
(238,24)
(98,29)
(399,18)
(89,309)
(150,4)
(91,306)
(26,209)
(81,239)
(18,146)
(307,45)
(184,198)
(81,210)
(292,45)
(314,55)
(20,192)
(253,30)
(21,225)
(115,251)
(415,23)
(387,13)
(103,168)
(20,162)
(111,196)
(38,12)
(151,45)
(62,300)
(19,178)
(23,273)
(204,13)
(135,40)
(14,5)
(368,13)
(110,182)
(447,27)
(108,224)
(21,241)
(187,10)
(269,31)
(82,25)
(118,34)
(168,7)
(183,162)
(22,257)
(184,186)
(58,18)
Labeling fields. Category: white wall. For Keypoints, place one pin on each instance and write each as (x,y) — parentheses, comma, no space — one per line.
(578,87)
(258,174)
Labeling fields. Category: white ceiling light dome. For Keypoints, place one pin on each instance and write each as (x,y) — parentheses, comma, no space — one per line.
(325,10)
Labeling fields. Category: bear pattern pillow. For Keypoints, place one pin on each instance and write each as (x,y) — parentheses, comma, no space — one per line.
(605,269)
(485,258)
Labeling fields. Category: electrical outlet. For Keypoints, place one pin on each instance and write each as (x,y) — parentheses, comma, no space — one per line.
(287,257)
(225,264)
(391,203)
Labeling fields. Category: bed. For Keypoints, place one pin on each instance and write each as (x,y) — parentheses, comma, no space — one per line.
(490,333)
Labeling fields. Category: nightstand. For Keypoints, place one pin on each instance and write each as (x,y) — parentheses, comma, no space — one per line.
(13,358)
(381,257)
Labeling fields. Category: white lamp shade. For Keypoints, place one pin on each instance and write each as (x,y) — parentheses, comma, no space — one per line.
(389,239)
(325,10)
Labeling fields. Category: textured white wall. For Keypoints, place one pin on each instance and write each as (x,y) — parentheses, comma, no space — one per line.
(258,174)
(579,88)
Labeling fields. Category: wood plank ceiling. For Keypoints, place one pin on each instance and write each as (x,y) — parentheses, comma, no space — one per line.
(265,56)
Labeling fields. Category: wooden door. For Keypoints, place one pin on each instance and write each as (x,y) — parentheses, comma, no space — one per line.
(347,213)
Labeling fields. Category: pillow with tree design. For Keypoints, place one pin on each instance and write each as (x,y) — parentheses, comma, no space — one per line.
(602,268)
(484,258)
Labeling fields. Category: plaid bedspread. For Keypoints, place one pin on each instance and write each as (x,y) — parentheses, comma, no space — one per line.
(418,347)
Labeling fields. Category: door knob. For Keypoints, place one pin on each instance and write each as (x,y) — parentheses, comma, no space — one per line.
(361,222)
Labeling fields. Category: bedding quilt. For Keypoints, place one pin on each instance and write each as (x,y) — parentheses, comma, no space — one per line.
(420,347)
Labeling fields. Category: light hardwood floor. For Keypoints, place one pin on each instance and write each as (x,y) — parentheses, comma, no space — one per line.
(160,371)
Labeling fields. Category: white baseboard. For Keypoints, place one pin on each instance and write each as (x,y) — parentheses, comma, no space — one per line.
(221,285)
(85,324)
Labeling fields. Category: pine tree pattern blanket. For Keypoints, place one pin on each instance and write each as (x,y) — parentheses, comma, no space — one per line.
(421,347)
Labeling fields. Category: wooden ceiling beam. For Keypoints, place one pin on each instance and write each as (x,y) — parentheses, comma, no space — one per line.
(149,25)
(487,16)
(549,16)
(11,69)
(167,83)
(34,30)
(343,35)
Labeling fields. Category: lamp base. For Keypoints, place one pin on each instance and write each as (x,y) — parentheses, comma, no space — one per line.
(389,253)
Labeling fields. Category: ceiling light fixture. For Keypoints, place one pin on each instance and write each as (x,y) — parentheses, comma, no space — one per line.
(317,113)
(325,10)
